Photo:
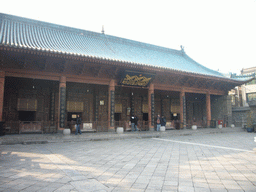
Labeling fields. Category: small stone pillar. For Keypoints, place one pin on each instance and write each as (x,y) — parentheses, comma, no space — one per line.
(119,130)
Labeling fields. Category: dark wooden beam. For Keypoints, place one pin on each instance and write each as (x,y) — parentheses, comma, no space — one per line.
(99,71)
(62,65)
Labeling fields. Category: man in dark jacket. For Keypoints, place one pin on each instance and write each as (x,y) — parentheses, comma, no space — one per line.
(158,123)
(78,122)
(163,121)
(134,121)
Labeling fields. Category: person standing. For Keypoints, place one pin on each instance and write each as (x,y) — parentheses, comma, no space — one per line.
(136,123)
(158,122)
(133,120)
(163,121)
(78,122)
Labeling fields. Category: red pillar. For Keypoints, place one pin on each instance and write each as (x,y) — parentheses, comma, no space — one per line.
(182,95)
(62,103)
(150,107)
(2,80)
(111,105)
(208,109)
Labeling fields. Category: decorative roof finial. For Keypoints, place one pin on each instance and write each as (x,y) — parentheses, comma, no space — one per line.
(182,48)
(102,31)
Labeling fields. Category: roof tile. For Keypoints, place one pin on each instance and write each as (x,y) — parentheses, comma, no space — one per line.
(26,33)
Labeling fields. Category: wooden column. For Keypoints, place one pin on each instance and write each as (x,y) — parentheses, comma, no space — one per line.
(151,107)
(111,105)
(182,97)
(2,80)
(208,109)
(62,102)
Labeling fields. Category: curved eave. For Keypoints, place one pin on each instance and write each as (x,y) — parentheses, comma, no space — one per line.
(241,82)
(114,61)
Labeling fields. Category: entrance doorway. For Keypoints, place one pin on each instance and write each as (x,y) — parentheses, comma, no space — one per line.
(145,116)
(27,115)
(175,116)
(117,117)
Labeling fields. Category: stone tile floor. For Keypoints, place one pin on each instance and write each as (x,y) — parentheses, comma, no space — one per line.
(194,161)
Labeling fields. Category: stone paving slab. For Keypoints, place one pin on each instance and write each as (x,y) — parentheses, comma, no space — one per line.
(186,160)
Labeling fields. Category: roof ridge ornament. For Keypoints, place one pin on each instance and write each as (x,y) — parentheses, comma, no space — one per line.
(250,75)
(182,49)
(102,31)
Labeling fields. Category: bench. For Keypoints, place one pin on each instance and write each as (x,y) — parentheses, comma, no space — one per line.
(169,125)
(87,127)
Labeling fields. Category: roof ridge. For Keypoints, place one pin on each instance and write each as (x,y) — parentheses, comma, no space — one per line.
(78,31)
(146,45)
(45,24)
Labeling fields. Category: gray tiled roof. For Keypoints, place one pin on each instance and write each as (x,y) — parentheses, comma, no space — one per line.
(36,35)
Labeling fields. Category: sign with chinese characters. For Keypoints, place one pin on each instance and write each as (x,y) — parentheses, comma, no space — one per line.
(152,108)
(132,78)
(184,111)
(112,108)
(62,106)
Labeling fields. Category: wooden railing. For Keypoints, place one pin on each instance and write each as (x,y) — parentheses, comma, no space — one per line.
(14,127)
(50,126)
(11,127)
(30,126)
(198,123)
(90,126)
(142,125)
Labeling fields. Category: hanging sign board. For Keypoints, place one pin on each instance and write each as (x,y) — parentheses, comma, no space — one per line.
(133,78)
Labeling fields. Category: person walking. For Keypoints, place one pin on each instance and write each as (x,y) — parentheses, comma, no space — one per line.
(78,122)
(158,122)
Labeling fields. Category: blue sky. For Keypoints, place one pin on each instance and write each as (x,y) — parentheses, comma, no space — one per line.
(219,34)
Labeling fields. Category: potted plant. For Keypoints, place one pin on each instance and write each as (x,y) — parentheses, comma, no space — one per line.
(250,121)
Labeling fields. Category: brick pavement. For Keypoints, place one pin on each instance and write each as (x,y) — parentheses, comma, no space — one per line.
(186,160)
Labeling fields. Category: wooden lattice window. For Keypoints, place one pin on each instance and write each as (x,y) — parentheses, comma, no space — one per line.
(175,106)
(27,104)
(75,106)
(145,108)
(118,108)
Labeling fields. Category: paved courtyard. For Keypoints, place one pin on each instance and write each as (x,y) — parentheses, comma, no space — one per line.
(200,162)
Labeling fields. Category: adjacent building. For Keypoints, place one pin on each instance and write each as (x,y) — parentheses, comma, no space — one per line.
(243,96)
